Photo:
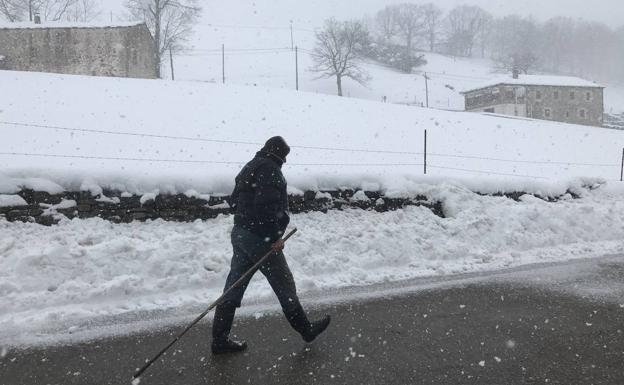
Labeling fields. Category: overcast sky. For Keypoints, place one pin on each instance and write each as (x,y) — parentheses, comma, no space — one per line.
(313,12)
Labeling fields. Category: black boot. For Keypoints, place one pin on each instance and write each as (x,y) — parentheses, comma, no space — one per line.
(316,328)
(221,326)
(299,321)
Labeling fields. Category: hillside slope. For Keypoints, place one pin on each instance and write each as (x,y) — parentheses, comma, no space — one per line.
(258,53)
(198,132)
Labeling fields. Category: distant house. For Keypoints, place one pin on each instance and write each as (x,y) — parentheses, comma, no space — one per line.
(121,50)
(559,98)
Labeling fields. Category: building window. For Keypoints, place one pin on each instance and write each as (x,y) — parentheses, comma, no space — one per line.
(582,113)
(588,96)
(572,95)
(556,95)
(538,95)
(490,110)
(547,112)
(567,114)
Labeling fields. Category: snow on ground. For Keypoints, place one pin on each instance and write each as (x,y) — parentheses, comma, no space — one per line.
(63,275)
(202,133)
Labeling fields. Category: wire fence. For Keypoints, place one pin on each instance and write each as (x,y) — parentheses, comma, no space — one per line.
(426,155)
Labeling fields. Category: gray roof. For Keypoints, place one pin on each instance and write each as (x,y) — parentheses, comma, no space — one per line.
(536,80)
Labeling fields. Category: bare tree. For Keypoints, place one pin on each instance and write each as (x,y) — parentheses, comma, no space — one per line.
(484,34)
(432,15)
(84,11)
(337,50)
(386,22)
(171,22)
(20,10)
(410,20)
(12,10)
(55,10)
(514,43)
(463,25)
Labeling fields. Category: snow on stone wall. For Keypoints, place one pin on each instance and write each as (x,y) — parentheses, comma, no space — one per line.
(119,207)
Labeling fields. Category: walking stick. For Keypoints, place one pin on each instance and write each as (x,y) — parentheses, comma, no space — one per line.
(212,306)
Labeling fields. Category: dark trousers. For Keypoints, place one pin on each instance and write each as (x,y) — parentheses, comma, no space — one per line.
(248,249)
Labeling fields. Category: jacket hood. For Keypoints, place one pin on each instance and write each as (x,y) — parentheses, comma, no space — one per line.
(277,147)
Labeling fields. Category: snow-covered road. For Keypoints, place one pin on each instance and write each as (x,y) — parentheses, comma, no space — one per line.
(57,277)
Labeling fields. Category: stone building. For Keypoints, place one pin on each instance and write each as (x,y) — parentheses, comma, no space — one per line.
(559,98)
(120,50)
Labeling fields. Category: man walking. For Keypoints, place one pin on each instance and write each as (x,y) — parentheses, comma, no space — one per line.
(260,202)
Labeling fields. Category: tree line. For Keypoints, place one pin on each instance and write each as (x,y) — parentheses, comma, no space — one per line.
(559,45)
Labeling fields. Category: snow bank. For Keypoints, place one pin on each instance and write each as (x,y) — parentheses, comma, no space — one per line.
(393,185)
(11,201)
(82,269)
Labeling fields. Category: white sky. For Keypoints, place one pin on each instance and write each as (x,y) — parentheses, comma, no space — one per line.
(311,13)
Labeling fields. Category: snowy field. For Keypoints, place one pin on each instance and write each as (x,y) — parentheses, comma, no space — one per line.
(60,277)
(144,135)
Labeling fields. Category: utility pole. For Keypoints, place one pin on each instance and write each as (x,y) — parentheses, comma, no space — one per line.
(292,38)
(111,17)
(427,89)
(297,68)
(425,163)
(171,60)
(223,61)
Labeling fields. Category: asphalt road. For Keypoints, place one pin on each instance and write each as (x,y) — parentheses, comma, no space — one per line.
(560,324)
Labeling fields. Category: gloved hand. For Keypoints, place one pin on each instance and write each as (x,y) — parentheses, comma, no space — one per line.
(278,246)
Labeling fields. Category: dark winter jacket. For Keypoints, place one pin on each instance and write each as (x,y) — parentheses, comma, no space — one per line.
(259,200)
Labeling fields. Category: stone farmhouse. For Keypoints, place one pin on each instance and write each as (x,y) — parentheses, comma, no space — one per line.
(119,50)
(559,98)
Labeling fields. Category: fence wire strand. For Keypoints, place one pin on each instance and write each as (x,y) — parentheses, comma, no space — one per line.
(317,148)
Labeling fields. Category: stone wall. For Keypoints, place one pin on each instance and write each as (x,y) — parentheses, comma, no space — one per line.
(125,51)
(48,209)
(566,103)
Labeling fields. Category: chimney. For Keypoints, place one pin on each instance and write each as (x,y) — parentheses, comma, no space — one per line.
(515,73)
(37,19)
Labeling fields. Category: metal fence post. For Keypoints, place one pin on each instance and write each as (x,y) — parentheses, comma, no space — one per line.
(425,163)
(622,169)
